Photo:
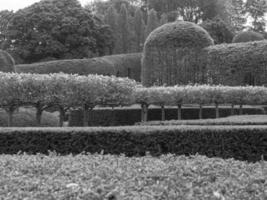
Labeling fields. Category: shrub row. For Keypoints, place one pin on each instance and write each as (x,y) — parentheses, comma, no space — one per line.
(63,91)
(72,91)
(243,143)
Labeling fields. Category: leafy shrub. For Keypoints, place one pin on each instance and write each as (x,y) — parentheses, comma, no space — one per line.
(120,177)
(171,54)
(123,65)
(247,36)
(243,143)
(6,62)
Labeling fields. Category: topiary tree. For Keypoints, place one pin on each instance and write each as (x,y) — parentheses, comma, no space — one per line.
(6,62)
(247,36)
(171,54)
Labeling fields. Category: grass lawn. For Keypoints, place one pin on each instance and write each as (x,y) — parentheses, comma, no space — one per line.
(232,120)
(95,177)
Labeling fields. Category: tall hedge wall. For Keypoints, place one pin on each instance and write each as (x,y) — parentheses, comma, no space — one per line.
(171,54)
(123,65)
(237,64)
(6,62)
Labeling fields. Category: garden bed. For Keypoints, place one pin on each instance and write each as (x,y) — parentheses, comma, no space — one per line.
(118,177)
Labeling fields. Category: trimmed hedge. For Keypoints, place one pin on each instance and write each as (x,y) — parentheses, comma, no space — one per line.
(6,62)
(171,54)
(237,64)
(247,36)
(243,143)
(123,65)
(131,116)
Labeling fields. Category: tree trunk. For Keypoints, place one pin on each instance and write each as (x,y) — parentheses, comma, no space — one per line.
(142,113)
(162,113)
(217,111)
(232,109)
(62,113)
(39,112)
(200,112)
(241,109)
(85,115)
(10,113)
(145,113)
(179,117)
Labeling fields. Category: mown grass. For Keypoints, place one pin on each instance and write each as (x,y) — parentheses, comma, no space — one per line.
(232,120)
(99,177)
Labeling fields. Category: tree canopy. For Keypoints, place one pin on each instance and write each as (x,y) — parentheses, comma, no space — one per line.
(52,29)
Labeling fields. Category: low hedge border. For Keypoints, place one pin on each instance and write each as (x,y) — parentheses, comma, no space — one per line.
(241,142)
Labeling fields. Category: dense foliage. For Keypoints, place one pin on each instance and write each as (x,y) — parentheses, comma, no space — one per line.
(122,65)
(202,94)
(171,54)
(54,29)
(102,177)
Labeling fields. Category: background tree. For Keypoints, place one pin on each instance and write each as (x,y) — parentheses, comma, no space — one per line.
(5,17)
(55,30)
(219,30)
(111,19)
(256,9)
(123,26)
(152,21)
(139,28)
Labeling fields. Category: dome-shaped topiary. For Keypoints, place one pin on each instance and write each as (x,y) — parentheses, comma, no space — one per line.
(247,36)
(171,54)
(6,62)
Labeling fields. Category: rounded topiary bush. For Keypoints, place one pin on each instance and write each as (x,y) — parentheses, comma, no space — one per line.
(247,36)
(6,62)
(172,52)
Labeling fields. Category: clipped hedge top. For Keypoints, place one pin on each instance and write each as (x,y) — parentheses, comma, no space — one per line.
(247,36)
(106,65)
(239,49)
(179,34)
(6,62)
